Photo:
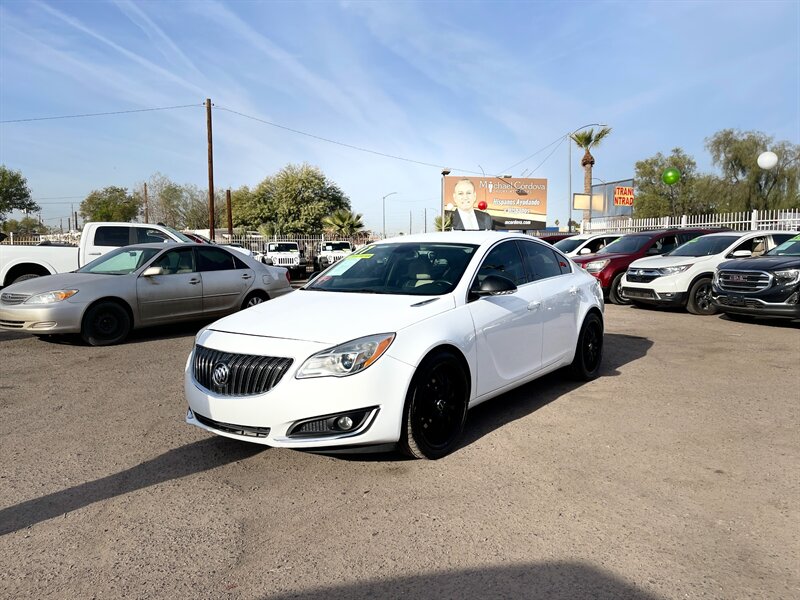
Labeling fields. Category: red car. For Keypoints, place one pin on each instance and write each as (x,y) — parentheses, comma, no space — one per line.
(610,264)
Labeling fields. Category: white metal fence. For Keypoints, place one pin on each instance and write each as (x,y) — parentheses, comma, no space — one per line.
(788,220)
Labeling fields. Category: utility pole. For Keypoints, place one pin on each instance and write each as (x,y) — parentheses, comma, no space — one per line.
(69,223)
(426,220)
(230,214)
(76,219)
(409,222)
(211,224)
(146,215)
(61,224)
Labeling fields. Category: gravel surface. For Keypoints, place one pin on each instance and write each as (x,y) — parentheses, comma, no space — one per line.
(674,475)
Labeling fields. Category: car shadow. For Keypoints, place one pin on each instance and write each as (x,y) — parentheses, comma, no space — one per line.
(196,457)
(556,580)
(767,321)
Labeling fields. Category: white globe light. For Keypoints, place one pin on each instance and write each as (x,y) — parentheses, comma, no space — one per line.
(767,160)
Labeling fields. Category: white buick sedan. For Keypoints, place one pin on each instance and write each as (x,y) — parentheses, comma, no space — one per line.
(393,344)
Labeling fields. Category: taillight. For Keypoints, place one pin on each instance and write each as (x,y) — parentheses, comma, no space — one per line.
(288,276)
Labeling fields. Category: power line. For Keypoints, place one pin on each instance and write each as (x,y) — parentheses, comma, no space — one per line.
(317,137)
(560,140)
(100,114)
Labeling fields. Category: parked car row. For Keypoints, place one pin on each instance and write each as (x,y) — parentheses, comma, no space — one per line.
(736,272)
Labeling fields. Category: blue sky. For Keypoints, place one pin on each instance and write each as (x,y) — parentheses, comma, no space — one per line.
(468,85)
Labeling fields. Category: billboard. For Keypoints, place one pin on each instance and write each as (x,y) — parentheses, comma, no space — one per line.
(495,202)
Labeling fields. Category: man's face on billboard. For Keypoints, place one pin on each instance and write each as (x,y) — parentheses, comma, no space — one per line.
(464,195)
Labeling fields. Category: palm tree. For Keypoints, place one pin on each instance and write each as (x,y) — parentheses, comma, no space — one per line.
(588,139)
(448,223)
(343,223)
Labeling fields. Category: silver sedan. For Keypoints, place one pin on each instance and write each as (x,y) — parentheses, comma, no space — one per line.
(140,286)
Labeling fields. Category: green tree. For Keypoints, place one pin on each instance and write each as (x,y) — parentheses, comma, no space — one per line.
(294,200)
(448,223)
(747,185)
(343,223)
(654,198)
(14,193)
(587,140)
(110,204)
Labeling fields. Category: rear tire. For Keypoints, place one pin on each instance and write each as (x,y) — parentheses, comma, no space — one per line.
(105,324)
(254,299)
(699,302)
(589,349)
(436,407)
(615,292)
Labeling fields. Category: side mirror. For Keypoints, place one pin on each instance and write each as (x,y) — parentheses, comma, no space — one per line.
(653,252)
(152,271)
(495,285)
(585,250)
(741,254)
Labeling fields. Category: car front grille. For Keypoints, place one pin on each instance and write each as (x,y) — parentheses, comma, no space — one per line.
(283,261)
(638,293)
(744,281)
(11,299)
(642,275)
(743,302)
(259,432)
(228,374)
(11,324)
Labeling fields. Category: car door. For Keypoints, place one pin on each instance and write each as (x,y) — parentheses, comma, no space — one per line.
(508,327)
(551,275)
(226,279)
(175,294)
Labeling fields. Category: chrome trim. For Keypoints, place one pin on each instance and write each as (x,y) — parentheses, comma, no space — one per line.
(751,282)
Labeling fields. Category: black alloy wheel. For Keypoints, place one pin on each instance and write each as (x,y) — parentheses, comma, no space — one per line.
(700,302)
(589,350)
(615,292)
(436,407)
(105,324)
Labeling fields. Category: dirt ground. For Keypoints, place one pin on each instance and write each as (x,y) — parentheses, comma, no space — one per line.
(674,475)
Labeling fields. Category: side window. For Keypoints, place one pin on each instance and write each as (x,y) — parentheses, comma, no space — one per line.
(596,245)
(664,244)
(112,236)
(214,259)
(542,262)
(503,260)
(779,238)
(147,236)
(755,246)
(176,261)
(685,237)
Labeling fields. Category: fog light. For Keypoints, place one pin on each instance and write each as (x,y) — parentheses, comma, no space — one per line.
(189,414)
(43,325)
(344,423)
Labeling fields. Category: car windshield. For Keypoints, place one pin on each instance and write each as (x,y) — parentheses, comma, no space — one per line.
(178,234)
(568,245)
(790,247)
(283,247)
(704,246)
(418,269)
(122,261)
(626,244)
(336,247)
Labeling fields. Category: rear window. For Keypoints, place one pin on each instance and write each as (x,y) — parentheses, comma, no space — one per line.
(112,236)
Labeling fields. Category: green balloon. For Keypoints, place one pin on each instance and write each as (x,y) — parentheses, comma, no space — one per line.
(671,176)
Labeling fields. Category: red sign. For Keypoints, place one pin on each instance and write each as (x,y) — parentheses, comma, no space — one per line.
(623,196)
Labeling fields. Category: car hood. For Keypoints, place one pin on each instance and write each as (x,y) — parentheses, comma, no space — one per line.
(762,263)
(657,262)
(333,317)
(59,281)
(582,260)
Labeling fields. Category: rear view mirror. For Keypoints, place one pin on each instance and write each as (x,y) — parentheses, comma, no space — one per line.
(152,271)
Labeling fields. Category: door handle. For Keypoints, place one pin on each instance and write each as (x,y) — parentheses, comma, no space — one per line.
(573,290)
(246,276)
(94,254)
(194,281)
(534,305)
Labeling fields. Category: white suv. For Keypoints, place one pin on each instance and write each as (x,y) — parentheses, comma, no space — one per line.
(331,252)
(585,243)
(285,254)
(683,277)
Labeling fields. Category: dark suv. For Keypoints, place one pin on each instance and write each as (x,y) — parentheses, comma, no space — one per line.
(610,264)
(764,285)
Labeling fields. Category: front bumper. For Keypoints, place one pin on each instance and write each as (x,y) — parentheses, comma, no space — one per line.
(666,293)
(743,305)
(59,317)
(271,417)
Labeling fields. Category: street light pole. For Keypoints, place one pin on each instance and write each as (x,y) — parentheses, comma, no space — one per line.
(445,173)
(569,168)
(384,212)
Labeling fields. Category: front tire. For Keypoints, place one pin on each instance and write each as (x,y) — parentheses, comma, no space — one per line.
(615,293)
(699,302)
(589,349)
(436,407)
(105,324)
(26,277)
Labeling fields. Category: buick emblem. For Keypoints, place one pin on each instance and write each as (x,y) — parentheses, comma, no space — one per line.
(220,374)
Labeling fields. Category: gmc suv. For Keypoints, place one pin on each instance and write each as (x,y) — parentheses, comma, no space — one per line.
(766,285)
(610,264)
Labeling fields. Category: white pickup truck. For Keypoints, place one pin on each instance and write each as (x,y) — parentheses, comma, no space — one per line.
(18,263)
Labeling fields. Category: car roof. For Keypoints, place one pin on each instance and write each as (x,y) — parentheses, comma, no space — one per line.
(457,237)
(162,245)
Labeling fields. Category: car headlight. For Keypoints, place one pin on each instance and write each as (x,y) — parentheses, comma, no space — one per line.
(51,297)
(346,359)
(596,265)
(787,277)
(673,270)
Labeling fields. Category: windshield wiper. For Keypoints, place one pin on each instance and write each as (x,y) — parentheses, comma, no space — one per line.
(360,291)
